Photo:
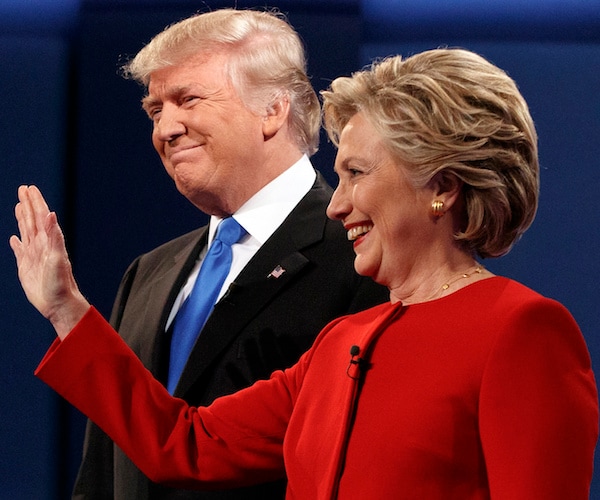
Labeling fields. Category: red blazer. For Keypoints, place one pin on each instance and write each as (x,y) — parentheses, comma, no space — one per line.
(485,393)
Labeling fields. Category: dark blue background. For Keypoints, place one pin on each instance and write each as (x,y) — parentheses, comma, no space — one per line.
(71,125)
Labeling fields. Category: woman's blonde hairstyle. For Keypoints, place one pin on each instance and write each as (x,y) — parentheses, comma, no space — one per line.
(451,111)
(267,62)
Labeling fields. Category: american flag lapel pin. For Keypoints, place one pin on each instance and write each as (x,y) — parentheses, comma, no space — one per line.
(276,273)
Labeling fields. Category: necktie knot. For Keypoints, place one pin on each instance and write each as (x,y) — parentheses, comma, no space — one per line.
(229,231)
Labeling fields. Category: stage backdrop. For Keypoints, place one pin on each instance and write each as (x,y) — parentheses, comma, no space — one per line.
(73,126)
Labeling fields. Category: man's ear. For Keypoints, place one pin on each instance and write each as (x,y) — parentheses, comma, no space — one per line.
(276,116)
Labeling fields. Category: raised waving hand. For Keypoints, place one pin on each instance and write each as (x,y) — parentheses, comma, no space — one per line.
(43,264)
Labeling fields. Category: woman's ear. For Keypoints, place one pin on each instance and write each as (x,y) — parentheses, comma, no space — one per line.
(447,188)
(276,116)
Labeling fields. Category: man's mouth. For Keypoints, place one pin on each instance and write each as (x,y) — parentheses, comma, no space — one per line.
(358,231)
(181,152)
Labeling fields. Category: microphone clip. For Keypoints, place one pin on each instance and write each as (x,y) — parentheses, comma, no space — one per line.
(356,363)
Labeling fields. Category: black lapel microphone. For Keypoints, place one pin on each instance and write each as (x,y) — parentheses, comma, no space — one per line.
(232,289)
(356,363)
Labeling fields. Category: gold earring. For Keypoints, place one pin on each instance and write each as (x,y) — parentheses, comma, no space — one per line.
(437,208)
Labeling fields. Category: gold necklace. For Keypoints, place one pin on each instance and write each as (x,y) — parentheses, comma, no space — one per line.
(478,270)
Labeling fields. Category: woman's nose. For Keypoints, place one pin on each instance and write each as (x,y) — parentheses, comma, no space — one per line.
(339,206)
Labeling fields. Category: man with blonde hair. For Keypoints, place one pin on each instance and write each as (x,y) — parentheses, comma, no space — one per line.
(235,120)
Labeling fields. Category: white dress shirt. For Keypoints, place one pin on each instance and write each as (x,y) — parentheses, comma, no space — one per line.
(260,216)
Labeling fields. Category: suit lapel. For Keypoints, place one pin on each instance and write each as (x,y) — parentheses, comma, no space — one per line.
(277,262)
(164,291)
(148,314)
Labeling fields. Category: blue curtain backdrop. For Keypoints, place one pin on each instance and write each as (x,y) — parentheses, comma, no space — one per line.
(73,126)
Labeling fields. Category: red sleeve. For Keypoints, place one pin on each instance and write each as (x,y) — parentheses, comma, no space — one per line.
(539,407)
(236,441)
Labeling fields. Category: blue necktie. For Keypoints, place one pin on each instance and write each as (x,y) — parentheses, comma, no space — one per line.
(197,307)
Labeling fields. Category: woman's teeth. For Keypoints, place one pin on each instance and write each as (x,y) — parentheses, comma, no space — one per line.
(357,231)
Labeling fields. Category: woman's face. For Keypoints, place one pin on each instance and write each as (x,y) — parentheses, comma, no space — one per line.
(387,219)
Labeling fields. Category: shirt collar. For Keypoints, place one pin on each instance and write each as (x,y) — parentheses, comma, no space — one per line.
(264,212)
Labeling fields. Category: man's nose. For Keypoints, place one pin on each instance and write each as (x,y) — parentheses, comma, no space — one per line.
(170,124)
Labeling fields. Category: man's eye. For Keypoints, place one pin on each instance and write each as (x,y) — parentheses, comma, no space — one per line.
(154,114)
